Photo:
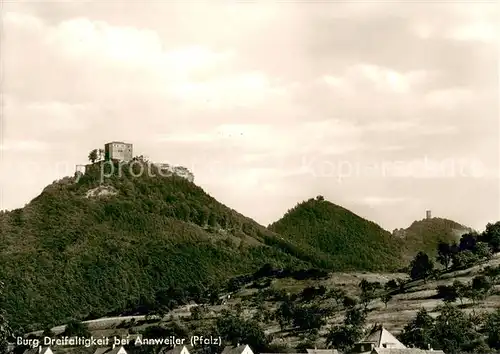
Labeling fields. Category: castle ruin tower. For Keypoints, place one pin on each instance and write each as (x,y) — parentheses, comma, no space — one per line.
(428,214)
(118,151)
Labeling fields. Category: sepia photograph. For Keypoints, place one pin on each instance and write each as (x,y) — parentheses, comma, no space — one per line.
(249,177)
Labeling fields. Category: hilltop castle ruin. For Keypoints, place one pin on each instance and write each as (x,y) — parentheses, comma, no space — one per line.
(120,151)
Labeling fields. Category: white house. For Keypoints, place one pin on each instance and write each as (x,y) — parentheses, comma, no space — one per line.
(39,350)
(240,349)
(111,350)
(379,337)
(381,341)
(382,338)
(178,349)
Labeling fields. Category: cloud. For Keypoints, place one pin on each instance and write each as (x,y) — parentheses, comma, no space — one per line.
(374,201)
(268,112)
(278,140)
(376,78)
(387,79)
(242,90)
(427,167)
(469,22)
(23,146)
(482,32)
(46,117)
(121,55)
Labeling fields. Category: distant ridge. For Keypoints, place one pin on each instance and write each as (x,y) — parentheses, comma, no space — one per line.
(425,235)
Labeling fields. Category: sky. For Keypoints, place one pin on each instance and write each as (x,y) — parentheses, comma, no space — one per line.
(385,108)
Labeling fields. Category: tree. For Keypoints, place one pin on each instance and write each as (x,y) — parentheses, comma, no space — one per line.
(285,313)
(355,317)
(235,329)
(493,273)
(309,293)
(482,250)
(93,155)
(212,221)
(421,266)
(337,294)
(492,329)
(349,302)
(480,286)
(267,316)
(477,320)
(453,330)
(460,290)
(386,297)
(391,285)
(308,318)
(463,259)
(366,298)
(47,332)
(474,295)
(265,271)
(343,337)
(300,347)
(444,254)
(492,236)
(418,332)
(238,308)
(5,330)
(75,328)
(196,312)
(364,285)
(173,329)
(213,294)
(468,241)
(447,293)
(368,292)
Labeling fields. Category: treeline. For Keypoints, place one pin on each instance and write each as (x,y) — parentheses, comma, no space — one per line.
(476,290)
(473,248)
(453,331)
(167,299)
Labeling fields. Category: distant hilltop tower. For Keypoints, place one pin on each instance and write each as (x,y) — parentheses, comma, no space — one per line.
(428,214)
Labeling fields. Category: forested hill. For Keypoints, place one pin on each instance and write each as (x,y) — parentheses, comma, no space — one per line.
(83,248)
(425,235)
(350,241)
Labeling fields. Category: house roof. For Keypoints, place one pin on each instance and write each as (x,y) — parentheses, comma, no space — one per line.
(322,351)
(36,350)
(108,350)
(405,351)
(234,350)
(380,337)
(175,350)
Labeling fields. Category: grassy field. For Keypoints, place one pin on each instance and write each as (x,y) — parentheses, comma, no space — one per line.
(400,310)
